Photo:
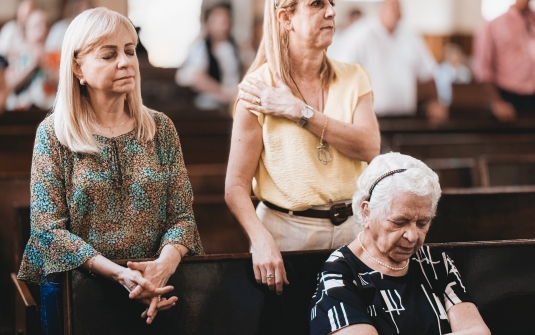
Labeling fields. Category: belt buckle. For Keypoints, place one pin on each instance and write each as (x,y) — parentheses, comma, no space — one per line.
(339,213)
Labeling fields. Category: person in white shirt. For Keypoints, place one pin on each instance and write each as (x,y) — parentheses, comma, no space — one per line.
(213,67)
(71,9)
(12,33)
(397,61)
(453,70)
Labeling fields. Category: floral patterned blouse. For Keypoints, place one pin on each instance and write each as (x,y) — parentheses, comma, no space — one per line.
(127,202)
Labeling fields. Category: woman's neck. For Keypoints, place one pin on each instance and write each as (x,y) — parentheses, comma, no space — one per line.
(356,248)
(108,110)
(305,63)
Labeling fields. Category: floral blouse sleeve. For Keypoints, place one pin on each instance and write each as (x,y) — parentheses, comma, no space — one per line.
(52,248)
(181,227)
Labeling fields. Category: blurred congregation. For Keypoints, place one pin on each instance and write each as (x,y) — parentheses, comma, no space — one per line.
(452,83)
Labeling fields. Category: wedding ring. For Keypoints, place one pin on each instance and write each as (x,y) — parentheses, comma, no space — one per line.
(258,101)
(159,298)
(270,276)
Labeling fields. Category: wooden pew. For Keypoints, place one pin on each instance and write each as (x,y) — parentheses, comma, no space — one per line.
(456,172)
(426,146)
(479,214)
(484,214)
(26,311)
(503,170)
(218,294)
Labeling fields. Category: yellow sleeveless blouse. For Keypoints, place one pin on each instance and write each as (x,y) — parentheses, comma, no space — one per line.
(289,173)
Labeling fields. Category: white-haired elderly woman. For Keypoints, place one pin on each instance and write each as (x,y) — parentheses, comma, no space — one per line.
(304,128)
(108,179)
(386,281)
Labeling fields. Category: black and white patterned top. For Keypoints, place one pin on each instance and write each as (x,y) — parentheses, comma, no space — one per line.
(349,292)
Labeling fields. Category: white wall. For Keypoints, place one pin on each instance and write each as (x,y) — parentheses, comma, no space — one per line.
(434,17)
(53,8)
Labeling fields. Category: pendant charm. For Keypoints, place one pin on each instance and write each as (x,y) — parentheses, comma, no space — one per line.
(324,153)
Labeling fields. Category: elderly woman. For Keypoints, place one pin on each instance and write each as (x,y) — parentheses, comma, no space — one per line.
(304,129)
(108,178)
(386,281)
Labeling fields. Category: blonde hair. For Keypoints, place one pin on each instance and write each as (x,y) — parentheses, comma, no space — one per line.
(274,47)
(74,117)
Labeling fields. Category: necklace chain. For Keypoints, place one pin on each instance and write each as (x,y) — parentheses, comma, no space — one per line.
(324,153)
(110,127)
(378,261)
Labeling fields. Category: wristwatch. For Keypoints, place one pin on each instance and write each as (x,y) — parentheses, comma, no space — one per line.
(307,112)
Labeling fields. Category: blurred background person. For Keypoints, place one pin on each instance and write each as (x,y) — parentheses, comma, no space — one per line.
(12,33)
(337,46)
(453,70)
(26,75)
(3,89)
(71,9)
(504,60)
(213,67)
(397,61)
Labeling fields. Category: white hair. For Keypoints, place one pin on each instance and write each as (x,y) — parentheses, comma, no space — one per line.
(418,179)
(73,114)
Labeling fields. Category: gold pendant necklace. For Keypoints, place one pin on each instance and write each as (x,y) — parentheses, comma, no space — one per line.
(324,153)
(110,127)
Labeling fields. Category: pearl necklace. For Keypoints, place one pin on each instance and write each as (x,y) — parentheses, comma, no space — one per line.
(378,261)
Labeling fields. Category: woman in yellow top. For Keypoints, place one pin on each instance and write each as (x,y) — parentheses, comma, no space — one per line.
(304,128)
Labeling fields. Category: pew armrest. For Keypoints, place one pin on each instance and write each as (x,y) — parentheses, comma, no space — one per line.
(23,291)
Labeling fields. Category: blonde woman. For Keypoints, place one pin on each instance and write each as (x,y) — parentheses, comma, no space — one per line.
(108,177)
(304,129)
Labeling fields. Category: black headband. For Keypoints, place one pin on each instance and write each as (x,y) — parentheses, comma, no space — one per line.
(381,178)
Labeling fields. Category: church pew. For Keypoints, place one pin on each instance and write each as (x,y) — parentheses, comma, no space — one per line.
(484,214)
(456,172)
(204,138)
(501,170)
(218,294)
(14,193)
(426,146)
(26,311)
(479,214)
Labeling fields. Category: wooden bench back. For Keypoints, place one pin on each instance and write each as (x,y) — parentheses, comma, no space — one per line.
(218,294)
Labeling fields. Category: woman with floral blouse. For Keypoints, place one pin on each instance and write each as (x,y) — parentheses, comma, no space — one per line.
(108,178)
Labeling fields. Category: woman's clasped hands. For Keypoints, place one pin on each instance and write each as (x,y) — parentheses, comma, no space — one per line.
(146,282)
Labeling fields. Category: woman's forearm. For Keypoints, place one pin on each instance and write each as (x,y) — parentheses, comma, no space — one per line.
(476,330)
(102,266)
(358,142)
(171,256)
(240,204)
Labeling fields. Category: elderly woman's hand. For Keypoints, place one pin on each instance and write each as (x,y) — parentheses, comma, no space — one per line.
(277,101)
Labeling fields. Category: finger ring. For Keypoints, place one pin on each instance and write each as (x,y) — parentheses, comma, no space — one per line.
(270,276)
(159,298)
(258,101)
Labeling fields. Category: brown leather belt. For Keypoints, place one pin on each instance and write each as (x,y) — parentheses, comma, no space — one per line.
(338,214)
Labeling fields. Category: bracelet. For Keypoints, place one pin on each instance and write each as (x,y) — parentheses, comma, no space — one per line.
(323,130)
(91,261)
(177,249)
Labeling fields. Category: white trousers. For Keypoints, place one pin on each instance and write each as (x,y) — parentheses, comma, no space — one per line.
(292,232)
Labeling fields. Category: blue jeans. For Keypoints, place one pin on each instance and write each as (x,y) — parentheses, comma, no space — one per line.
(52,307)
